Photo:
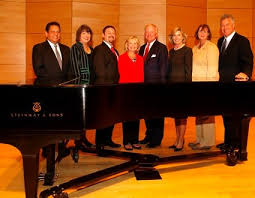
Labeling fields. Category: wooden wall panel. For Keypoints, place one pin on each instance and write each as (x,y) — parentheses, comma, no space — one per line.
(134,15)
(242,11)
(186,15)
(12,39)
(188,3)
(97,14)
(38,14)
(221,4)
(243,20)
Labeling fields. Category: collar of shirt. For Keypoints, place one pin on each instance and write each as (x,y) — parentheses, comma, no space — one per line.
(228,38)
(108,44)
(151,43)
(53,48)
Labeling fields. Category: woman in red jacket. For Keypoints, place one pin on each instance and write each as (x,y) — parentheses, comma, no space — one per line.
(131,68)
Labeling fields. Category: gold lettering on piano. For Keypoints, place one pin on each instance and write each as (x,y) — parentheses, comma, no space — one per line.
(37,113)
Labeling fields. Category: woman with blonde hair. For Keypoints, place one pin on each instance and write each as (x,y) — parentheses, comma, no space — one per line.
(180,70)
(131,69)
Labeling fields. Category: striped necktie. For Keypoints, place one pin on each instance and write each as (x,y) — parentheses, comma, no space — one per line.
(58,57)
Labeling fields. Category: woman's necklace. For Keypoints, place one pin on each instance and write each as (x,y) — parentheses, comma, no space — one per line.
(132,57)
(179,47)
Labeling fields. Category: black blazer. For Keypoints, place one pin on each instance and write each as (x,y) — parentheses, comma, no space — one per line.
(105,64)
(155,65)
(237,58)
(45,63)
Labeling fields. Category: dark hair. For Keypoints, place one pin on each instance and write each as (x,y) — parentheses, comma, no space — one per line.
(83,28)
(204,26)
(108,26)
(47,28)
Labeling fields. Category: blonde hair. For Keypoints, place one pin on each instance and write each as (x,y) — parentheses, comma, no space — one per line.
(176,29)
(129,39)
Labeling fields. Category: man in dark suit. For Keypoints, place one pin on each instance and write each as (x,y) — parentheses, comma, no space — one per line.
(105,63)
(235,64)
(155,57)
(51,61)
(50,58)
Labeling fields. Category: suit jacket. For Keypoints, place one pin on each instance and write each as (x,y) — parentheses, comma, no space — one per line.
(237,58)
(45,63)
(105,64)
(155,65)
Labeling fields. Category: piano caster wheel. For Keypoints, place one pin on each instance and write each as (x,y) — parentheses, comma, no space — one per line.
(60,195)
(75,154)
(232,157)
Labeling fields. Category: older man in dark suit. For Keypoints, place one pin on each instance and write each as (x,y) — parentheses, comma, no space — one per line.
(51,59)
(235,64)
(105,63)
(155,57)
(51,62)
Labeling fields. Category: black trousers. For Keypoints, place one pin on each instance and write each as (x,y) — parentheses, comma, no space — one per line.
(130,132)
(104,136)
(155,130)
(236,131)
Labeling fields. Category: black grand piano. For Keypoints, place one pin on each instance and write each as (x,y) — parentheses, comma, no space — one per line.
(39,113)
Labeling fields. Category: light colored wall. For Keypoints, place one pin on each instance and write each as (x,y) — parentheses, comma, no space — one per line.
(38,14)
(23,23)
(134,15)
(187,14)
(97,14)
(13,40)
(242,11)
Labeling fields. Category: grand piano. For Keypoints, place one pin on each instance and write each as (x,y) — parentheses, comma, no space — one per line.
(35,114)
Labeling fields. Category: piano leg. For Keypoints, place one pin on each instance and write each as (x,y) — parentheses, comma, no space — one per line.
(31,167)
(244,138)
(50,172)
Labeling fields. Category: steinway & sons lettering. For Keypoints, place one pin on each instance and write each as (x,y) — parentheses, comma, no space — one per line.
(36,115)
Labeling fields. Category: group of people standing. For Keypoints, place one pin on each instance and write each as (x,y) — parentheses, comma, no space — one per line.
(231,60)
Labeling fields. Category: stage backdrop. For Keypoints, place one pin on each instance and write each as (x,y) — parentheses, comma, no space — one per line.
(23,23)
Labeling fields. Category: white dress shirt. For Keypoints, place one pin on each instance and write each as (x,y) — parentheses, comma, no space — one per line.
(53,48)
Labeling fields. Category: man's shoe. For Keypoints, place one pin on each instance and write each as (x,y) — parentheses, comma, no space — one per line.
(144,141)
(112,144)
(223,147)
(220,145)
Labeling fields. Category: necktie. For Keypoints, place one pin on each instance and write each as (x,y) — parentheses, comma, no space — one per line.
(146,51)
(113,51)
(223,46)
(58,57)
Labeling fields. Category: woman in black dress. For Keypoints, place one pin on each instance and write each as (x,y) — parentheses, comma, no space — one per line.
(81,63)
(180,70)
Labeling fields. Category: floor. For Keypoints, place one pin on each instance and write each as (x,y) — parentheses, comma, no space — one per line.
(199,178)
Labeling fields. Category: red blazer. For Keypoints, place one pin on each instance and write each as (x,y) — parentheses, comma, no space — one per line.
(130,71)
